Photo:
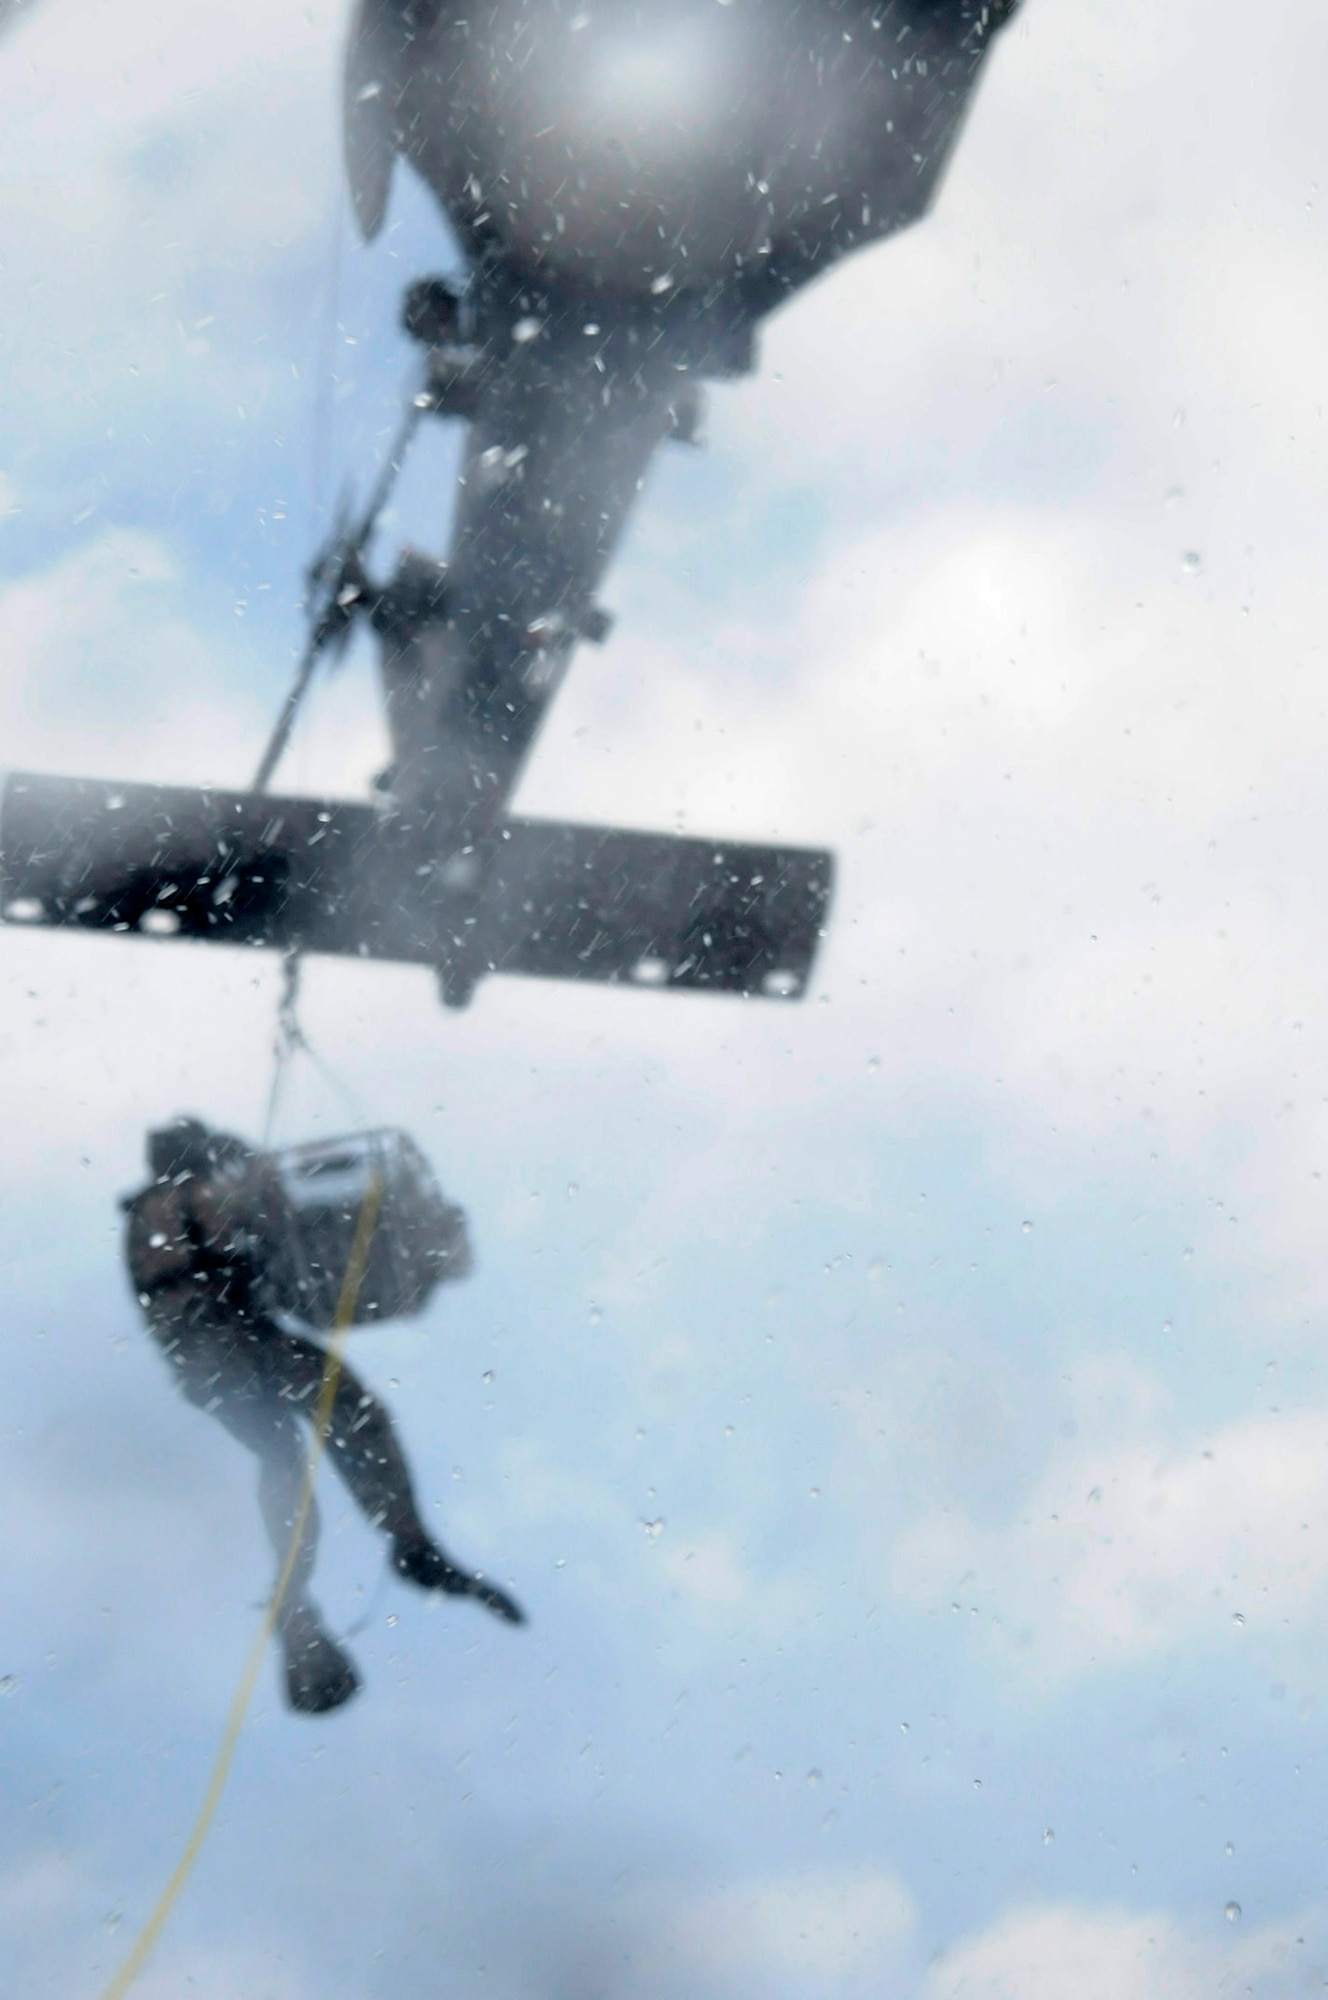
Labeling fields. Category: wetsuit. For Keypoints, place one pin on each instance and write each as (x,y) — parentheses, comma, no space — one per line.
(196,1249)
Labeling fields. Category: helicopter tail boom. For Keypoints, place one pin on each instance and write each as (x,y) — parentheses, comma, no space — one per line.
(539,898)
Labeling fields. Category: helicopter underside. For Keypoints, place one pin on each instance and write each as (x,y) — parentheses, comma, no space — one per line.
(635,182)
(638,150)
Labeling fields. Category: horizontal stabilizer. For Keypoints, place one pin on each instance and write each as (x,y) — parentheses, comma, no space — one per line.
(549,900)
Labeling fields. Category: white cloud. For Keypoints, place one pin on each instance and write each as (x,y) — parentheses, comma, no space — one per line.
(102,669)
(825,1931)
(1053,1951)
(1130,1549)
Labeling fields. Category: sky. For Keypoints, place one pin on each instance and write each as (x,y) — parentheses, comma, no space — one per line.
(902,1413)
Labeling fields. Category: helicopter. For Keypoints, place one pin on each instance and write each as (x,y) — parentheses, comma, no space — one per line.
(635,185)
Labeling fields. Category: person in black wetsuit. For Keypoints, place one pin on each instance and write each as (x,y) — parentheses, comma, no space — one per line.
(198,1240)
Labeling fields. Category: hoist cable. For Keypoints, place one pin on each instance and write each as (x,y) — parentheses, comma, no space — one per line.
(356,1265)
(284,1042)
(291,1039)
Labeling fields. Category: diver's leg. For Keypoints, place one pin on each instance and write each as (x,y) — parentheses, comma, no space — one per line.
(319,1674)
(364,1447)
(221,1370)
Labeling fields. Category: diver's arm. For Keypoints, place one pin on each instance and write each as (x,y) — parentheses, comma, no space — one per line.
(159,1245)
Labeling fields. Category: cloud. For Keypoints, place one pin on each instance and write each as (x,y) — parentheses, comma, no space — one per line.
(825,1931)
(927,601)
(1130,1550)
(99,658)
(1051,1951)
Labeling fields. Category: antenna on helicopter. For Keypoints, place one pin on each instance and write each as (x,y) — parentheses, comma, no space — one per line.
(338,586)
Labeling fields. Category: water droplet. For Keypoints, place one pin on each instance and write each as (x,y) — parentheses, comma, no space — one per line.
(572,1189)
(560,1562)
(1048,1835)
(1238,1617)
(9,1683)
(1232,1913)
(813,1777)
(1026,1228)
(487,1376)
(873,1065)
(815,1493)
(652,1528)
(977,1784)
(595,1315)
(391,1617)
(1191,562)
(875,1268)
(1231,1847)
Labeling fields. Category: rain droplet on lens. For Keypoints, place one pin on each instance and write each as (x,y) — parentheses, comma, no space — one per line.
(1048,1835)
(1191,562)
(1238,1617)
(1232,1913)
(873,1065)
(813,1777)
(1026,1227)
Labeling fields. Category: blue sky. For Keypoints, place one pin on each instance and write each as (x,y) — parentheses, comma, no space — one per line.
(992,1277)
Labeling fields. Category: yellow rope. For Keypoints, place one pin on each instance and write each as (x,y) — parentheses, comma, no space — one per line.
(350,1292)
